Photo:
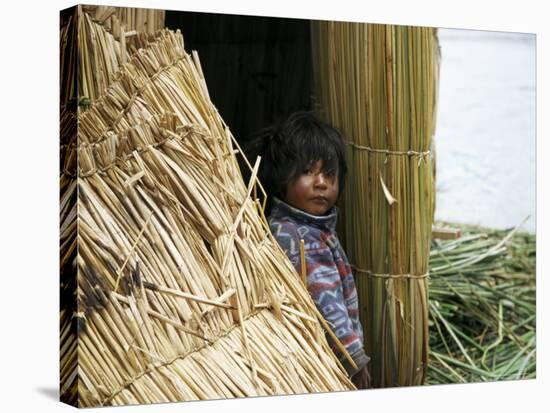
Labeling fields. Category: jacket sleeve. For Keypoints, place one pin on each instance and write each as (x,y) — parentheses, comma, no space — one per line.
(351,299)
(327,290)
(287,236)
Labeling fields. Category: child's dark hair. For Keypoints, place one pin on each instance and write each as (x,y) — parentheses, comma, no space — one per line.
(289,148)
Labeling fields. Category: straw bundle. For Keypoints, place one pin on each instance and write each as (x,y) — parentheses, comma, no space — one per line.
(67,209)
(101,54)
(377,83)
(183,293)
(116,20)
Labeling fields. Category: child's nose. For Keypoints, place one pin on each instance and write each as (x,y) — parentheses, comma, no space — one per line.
(321,180)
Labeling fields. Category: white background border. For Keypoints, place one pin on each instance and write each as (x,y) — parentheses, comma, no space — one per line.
(29,204)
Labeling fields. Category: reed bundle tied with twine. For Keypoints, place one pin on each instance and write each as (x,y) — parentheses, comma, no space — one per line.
(378,84)
(183,293)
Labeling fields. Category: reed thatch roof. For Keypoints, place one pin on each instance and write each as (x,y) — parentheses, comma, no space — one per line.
(182,292)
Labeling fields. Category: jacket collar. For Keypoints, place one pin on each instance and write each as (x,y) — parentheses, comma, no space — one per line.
(327,222)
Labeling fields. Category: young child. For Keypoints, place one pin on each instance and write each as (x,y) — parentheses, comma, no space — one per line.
(303,169)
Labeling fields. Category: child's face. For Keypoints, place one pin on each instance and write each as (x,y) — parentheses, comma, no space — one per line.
(313,191)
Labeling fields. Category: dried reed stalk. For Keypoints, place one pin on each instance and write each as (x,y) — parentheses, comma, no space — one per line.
(133,19)
(102,53)
(182,292)
(378,84)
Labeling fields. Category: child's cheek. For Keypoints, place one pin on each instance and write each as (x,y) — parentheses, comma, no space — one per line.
(299,191)
(304,183)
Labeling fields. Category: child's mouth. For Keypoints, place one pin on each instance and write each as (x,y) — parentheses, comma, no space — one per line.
(320,200)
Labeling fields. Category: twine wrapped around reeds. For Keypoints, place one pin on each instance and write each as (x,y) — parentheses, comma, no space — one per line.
(378,84)
(183,293)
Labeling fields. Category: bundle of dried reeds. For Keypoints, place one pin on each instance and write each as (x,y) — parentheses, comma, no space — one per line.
(182,291)
(101,52)
(117,20)
(67,210)
(99,59)
(377,83)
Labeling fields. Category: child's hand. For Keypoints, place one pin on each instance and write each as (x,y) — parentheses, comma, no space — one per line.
(361,379)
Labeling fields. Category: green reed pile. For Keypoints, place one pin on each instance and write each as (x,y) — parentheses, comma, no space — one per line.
(483,307)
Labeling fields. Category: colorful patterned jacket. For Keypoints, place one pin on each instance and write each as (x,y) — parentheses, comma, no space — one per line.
(329,277)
